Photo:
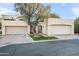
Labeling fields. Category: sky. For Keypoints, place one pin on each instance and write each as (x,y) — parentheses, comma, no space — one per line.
(64,10)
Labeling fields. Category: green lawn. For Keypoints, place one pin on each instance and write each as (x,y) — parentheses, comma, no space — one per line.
(42,37)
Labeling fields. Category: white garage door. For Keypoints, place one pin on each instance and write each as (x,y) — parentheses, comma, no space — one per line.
(16,30)
(59,29)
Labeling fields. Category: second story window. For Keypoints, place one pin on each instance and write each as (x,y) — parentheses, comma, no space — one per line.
(21,19)
(9,19)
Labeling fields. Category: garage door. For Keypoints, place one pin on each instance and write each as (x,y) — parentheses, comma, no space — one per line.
(59,29)
(16,30)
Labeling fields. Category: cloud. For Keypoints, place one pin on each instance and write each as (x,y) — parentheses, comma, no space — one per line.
(4,11)
(76,11)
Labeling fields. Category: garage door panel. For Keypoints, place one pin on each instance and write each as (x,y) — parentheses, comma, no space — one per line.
(16,30)
(60,29)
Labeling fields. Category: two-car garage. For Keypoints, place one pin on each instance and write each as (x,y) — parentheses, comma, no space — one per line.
(16,29)
(60,26)
(59,29)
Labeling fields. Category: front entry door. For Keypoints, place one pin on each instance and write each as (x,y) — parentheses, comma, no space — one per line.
(39,29)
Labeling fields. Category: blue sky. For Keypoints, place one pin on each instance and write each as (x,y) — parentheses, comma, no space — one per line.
(65,10)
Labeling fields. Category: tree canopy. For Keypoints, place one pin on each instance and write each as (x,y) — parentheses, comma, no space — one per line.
(54,15)
(33,12)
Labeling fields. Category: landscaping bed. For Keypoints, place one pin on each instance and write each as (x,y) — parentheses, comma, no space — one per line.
(42,37)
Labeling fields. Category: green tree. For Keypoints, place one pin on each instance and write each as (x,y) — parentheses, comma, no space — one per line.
(54,15)
(76,25)
(33,13)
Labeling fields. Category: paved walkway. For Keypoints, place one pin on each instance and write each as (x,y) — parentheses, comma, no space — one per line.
(13,39)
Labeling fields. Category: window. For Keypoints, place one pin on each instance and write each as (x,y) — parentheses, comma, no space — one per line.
(41,20)
(21,19)
(9,19)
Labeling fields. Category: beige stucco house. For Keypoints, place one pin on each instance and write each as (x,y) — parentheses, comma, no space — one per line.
(50,26)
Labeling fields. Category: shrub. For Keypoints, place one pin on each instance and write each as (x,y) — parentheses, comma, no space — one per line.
(42,37)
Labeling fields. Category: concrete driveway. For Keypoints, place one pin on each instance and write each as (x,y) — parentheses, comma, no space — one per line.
(50,48)
(62,37)
(14,39)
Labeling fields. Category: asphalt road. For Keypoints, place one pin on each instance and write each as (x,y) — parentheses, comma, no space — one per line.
(50,48)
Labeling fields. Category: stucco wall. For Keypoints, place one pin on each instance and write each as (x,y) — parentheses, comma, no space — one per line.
(13,23)
(52,21)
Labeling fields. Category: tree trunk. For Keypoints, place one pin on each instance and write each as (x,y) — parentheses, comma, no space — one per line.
(32,29)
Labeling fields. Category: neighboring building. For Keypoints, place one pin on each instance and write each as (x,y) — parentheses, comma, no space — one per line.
(50,26)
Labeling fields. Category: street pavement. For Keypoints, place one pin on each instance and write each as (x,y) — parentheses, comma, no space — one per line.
(48,48)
